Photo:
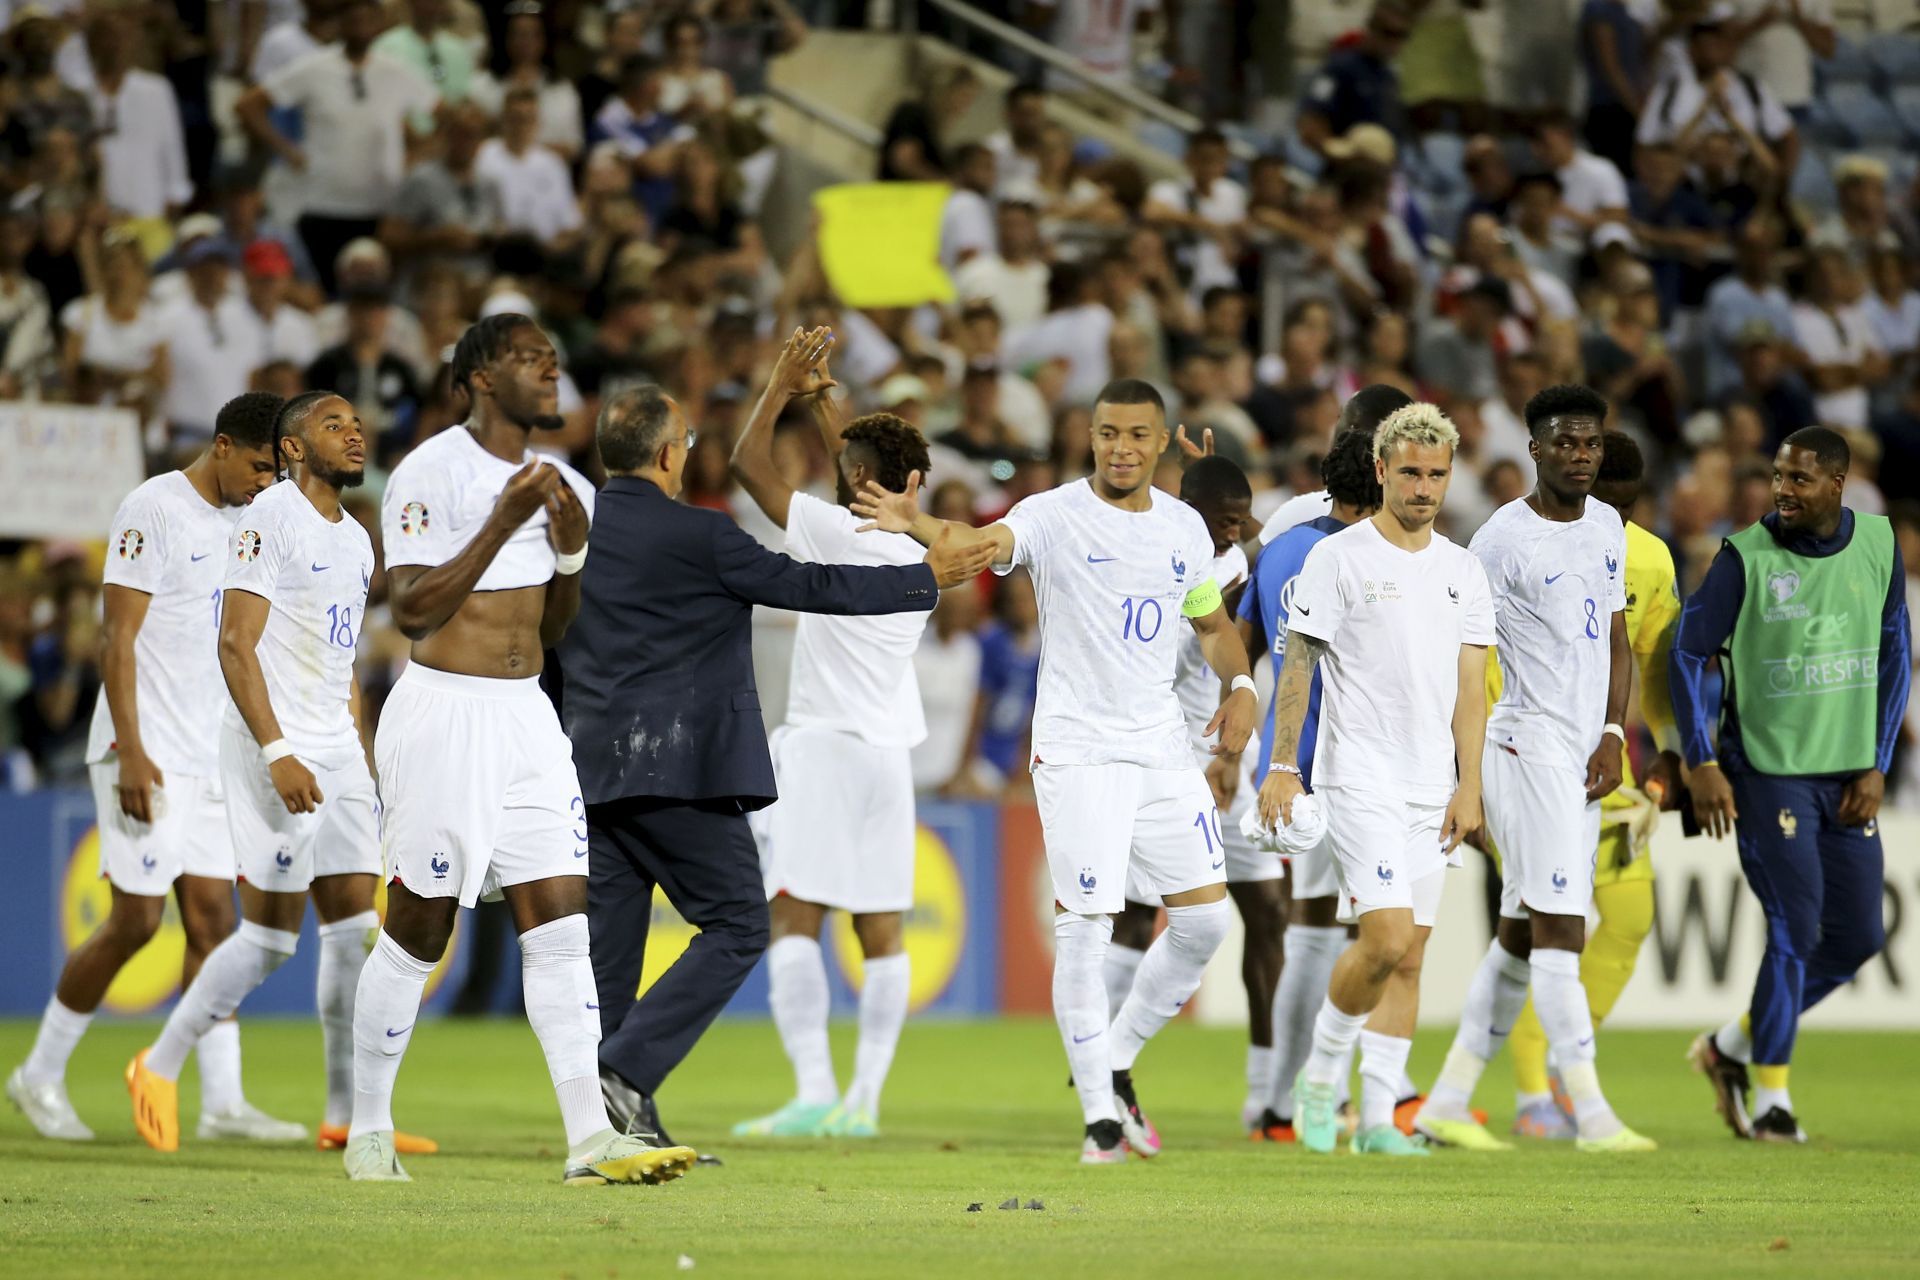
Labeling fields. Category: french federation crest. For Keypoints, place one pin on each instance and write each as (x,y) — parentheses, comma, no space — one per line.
(1789,825)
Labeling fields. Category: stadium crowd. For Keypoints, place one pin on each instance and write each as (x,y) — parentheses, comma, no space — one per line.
(1700,209)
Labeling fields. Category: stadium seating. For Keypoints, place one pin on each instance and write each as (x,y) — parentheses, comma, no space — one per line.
(1867,118)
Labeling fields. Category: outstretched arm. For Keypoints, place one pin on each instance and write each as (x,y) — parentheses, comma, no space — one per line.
(799,370)
(900,513)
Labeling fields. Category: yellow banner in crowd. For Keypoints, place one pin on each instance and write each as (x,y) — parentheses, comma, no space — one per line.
(880,242)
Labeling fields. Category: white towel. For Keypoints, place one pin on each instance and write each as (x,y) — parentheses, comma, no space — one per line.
(1308,828)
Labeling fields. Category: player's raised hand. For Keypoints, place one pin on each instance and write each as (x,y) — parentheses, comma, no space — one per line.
(885,510)
(1277,795)
(1603,768)
(795,367)
(566,519)
(1463,818)
(527,491)
(139,779)
(953,564)
(1713,805)
(296,785)
(1188,448)
(1233,722)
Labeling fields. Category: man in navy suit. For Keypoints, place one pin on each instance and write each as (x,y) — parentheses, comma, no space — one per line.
(659,700)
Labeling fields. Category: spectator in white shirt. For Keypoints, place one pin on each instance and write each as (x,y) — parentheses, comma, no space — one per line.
(966,228)
(525,62)
(214,343)
(1843,354)
(143,154)
(534,183)
(288,41)
(1592,190)
(286,330)
(1779,51)
(1016,147)
(1073,335)
(1207,208)
(1707,95)
(1014,279)
(356,105)
(689,88)
(947,665)
(26,322)
(114,351)
(1022,407)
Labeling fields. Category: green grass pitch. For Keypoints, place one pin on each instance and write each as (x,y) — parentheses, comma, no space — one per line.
(976,1112)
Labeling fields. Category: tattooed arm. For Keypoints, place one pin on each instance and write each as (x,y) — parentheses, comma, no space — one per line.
(1290,695)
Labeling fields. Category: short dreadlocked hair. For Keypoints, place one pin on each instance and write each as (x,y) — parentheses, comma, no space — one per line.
(1349,472)
(897,446)
(485,341)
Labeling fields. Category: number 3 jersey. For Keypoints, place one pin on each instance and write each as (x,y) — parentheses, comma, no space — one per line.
(1113,589)
(1556,586)
(314,573)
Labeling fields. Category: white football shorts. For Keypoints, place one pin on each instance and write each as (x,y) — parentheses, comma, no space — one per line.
(479,787)
(1110,825)
(842,832)
(285,852)
(1548,833)
(1387,852)
(188,836)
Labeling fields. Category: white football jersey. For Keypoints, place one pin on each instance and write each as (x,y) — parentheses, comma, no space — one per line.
(854,674)
(1556,585)
(1295,511)
(441,494)
(1109,585)
(314,572)
(1393,621)
(172,544)
(1195,683)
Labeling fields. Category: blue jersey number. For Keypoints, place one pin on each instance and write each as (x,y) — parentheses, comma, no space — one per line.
(1593,620)
(340,626)
(217,601)
(1208,820)
(1140,616)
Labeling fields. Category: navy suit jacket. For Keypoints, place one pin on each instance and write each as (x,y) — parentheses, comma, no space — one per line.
(657,687)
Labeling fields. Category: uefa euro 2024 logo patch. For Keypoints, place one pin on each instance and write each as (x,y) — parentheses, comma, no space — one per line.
(414,518)
(132,543)
(248,546)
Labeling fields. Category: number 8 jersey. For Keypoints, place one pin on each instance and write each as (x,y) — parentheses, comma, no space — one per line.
(314,572)
(1114,589)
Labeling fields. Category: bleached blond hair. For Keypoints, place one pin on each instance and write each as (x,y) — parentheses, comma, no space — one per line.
(1417,423)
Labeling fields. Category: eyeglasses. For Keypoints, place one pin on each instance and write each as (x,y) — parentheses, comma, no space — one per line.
(692,435)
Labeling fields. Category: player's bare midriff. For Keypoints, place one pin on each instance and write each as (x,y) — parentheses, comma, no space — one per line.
(493,633)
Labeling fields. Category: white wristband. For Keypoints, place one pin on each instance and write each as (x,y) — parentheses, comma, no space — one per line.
(1275,766)
(1615,730)
(277,750)
(570,562)
(1243,682)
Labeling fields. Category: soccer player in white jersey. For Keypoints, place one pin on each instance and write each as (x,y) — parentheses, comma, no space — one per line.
(484,542)
(1398,619)
(1119,792)
(1364,410)
(1218,490)
(1556,560)
(152,759)
(300,799)
(841,836)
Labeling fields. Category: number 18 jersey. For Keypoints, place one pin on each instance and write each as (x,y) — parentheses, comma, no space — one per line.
(1111,586)
(314,572)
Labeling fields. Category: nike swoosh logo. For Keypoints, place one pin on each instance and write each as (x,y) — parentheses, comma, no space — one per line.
(402,1031)
(1556,577)
(202,556)
(1093,559)
(593,1006)
(1586,1042)
(1084,1039)
(581,854)
(1216,866)
(321,568)
(1304,611)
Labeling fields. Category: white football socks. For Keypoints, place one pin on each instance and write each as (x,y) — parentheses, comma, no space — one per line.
(1765,1100)
(1383,1065)
(60,1032)
(219,1056)
(343,950)
(1494,999)
(1311,952)
(1259,1083)
(1735,1040)
(385,1006)
(1168,977)
(883,1011)
(797,991)
(1080,1008)
(556,980)
(1121,964)
(1334,1035)
(1561,1002)
(238,965)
